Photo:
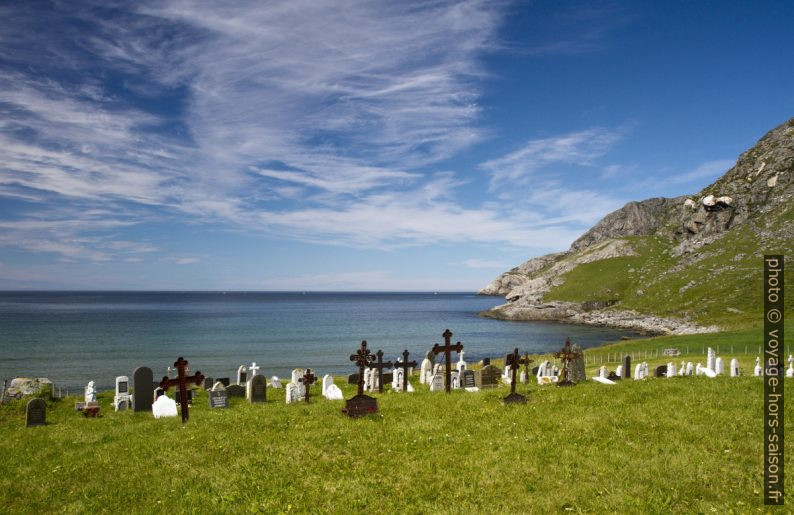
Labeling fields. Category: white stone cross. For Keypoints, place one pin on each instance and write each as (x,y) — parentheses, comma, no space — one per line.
(253,368)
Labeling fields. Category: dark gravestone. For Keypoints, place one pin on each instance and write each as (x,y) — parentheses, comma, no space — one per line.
(257,389)
(177,398)
(223,380)
(352,379)
(486,361)
(661,371)
(469,380)
(535,370)
(613,376)
(489,377)
(35,413)
(218,397)
(577,373)
(143,382)
(158,392)
(627,367)
(388,377)
(235,390)
(208,382)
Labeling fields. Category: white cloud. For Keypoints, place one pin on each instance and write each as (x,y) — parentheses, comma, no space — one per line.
(576,148)
(704,172)
(483,263)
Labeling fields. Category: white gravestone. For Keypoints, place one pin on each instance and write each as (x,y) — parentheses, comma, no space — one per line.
(330,390)
(603,380)
(425,372)
(602,372)
(690,368)
(638,372)
(454,377)
(708,372)
(275,382)
(397,382)
(699,370)
(619,371)
(758,371)
(461,365)
(242,376)
(710,359)
(734,367)
(90,393)
(682,370)
(670,370)
(292,393)
(522,377)
(164,406)
(437,383)
(296,390)
(719,367)
(121,401)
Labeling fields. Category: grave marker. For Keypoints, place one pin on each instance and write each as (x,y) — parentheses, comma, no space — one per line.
(257,389)
(242,376)
(361,404)
(447,348)
(121,401)
(514,362)
(567,354)
(35,412)
(488,377)
(405,364)
(627,366)
(182,380)
(307,380)
(379,366)
(218,396)
(142,381)
(468,380)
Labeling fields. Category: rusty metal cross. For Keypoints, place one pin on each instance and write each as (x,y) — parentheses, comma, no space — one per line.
(405,364)
(182,380)
(514,362)
(380,365)
(363,357)
(308,380)
(447,349)
(567,354)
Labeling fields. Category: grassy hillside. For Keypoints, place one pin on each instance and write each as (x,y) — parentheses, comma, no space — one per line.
(721,284)
(681,445)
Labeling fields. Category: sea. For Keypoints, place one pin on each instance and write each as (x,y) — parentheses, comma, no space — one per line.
(75,337)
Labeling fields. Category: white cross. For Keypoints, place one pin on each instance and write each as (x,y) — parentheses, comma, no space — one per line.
(253,368)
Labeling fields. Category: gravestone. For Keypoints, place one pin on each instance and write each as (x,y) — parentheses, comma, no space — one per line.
(690,369)
(461,365)
(257,389)
(223,380)
(242,376)
(218,396)
(455,378)
(719,366)
(275,382)
(352,379)
(485,362)
(189,393)
(90,393)
(121,401)
(661,371)
(488,377)
(671,369)
(613,376)
(402,367)
(710,358)
(35,412)
(208,382)
(330,390)
(734,367)
(157,393)
(469,379)
(425,371)
(577,373)
(627,366)
(513,363)
(361,405)
(142,396)
(437,383)
(638,372)
(235,390)
(164,406)
(447,349)
(567,354)
(181,382)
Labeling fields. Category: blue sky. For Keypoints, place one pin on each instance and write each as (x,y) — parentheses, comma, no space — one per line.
(307,145)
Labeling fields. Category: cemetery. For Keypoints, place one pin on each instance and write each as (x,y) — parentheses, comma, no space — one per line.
(638,427)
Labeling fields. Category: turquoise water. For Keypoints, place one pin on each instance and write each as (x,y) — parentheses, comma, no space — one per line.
(76,337)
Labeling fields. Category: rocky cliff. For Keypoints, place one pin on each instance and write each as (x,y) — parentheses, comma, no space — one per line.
(669,265)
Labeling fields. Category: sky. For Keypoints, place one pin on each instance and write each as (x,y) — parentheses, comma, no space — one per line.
(397,146)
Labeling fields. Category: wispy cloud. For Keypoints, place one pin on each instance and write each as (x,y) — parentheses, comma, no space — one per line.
(576,148)
(704,172)
(483,263)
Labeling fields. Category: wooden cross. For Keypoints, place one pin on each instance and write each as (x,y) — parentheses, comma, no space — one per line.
(526,363)
(380,365)
(514,362)
(363,357)
(567,354)
(447,349)
(404,364)
(308,380)
(182,380)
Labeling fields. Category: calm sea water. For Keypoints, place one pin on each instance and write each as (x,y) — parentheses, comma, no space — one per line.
(75,337)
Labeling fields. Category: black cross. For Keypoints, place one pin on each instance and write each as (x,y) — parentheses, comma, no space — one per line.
(363,357)
(526,362)
(447,349)
(514,362)
(182,380)
(307,380)
(404,364)
(380,365)
(567,354)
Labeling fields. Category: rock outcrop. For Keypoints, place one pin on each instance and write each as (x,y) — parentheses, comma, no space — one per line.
(759,186)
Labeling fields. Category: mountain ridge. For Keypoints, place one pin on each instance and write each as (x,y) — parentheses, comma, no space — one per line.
(669,265)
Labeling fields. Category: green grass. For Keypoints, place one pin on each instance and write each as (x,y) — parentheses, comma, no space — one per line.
(682,445)
(723,286)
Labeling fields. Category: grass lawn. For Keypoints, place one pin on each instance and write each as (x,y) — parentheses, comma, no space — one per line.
(681,444)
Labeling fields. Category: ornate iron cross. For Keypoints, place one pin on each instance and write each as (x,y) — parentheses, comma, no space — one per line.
(308,380)
(182,380)
(447,349)
(567,354)
(363,357)
(405,364)
(380,365)
(514,362)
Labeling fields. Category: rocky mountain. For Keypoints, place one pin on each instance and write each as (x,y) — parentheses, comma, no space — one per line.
(669,265)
